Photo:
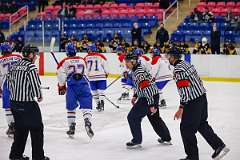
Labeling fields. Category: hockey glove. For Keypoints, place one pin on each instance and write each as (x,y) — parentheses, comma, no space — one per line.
(62,89)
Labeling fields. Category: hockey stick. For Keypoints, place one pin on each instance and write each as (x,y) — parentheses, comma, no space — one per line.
(53,39)
(113,81)
(111,102)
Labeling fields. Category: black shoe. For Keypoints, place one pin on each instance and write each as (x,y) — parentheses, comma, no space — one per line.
(45,158)
(220,152)
(71,130)
(163,104)
(22,158)
(161,141)
(131,145)
(88,128)
(11,130)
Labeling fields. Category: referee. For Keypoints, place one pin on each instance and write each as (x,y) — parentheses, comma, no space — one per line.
(193,109)
(24,85)
(145,103)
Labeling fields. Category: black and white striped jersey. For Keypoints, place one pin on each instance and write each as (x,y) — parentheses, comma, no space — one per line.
(23,81)
(144,87)
(189,84)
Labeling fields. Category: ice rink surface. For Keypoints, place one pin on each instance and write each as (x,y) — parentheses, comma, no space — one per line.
(112,130)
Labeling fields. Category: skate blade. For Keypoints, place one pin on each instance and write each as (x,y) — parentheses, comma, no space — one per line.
(71,136)
(90,135)
(134,147)
(10,136)
(222,153)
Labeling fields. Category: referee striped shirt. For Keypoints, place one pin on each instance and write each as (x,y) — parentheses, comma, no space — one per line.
(23,81)
(189,84)
(143,84)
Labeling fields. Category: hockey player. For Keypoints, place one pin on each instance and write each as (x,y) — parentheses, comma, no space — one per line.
(126,81)
(6,61)
(97,74)
(143,59)
(72,71)
(161,73)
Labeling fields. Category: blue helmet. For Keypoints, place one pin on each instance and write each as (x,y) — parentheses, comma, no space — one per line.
(92,48)
(138,51)
(6,48)
(70,49)
(156,52)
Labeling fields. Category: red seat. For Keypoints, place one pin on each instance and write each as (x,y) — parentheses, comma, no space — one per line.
(114,5)
(216,11)
(211,5)
(131,12)
(238,4)
(97,6)
(220,4)
(123,12)
(202,4)
(223,12)
(106,5)
(89,6)
(236,11)
(106,13)
(156,5)
(122,6)
(230,4)
(201,9)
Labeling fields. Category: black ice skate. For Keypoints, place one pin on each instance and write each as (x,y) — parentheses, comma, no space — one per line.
(45,158)
(163,104)
(102,105)
(131,145)
(22,158)
(11,130)
(124,97)
(88,128)
(164,142)
(220,152)
(71,130)
(99,107)
(185,158)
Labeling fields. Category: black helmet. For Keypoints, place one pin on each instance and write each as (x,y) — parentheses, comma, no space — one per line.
(174,51)
(28,49)
(130,56)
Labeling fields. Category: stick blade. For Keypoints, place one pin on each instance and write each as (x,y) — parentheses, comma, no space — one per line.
(52,43)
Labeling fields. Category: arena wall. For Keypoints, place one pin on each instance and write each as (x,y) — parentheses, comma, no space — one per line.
(210,67)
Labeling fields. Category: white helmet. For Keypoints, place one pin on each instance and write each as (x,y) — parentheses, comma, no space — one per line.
(204,40)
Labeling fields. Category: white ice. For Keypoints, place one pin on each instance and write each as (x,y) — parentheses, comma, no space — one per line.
(112,130)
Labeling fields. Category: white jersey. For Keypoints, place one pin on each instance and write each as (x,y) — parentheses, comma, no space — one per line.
(161,69)
(6,62)
(145,62)
(97,66)
(69,66)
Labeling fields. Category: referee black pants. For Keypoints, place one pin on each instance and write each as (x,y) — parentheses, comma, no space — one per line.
(194,119)
(28,119)
(138,112)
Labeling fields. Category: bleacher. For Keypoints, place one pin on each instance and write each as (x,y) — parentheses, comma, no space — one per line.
(5,17)
(189,31)
(113,18)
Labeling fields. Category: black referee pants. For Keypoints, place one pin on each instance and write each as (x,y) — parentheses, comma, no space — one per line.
(138,112)
(194,119)
(27,116)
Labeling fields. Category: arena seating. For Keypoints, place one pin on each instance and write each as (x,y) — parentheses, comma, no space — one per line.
(4,17)
(189,31)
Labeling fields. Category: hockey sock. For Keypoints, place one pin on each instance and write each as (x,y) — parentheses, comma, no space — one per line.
(87,114)
(9,116)
(71,116)
(101,95)
(96,96)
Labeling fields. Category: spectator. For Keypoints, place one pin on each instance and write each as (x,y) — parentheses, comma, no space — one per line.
(124,44)
(71,12)
(84,43)
(162,35)
(202,47)
(158,46)
(114,42)
(18,44)
(146,47)
(207,16)
(63,42)
(100,47)
(63,12)
(136,33)
(229,48)
(215,40)
(196,15)
(229,16)
(41,5)
(2,37)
